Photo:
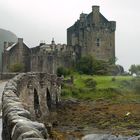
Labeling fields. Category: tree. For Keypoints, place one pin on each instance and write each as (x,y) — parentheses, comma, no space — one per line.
(112,60)
(100,67)
(63,71)
(134,69)
(85,65)
(89,65)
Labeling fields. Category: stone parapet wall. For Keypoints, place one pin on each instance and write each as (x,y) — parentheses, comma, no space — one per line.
(17,122)
(4,76)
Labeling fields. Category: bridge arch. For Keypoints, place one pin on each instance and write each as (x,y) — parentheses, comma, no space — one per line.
(48,98)
(36,104)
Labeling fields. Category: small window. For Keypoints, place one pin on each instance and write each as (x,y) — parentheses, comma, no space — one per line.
(98,42)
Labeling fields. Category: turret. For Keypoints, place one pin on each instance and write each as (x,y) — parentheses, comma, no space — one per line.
(82,17)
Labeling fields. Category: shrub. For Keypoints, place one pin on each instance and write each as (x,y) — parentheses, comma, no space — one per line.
(113,79)
(63,71)
(85,65)
(136,84)
(90,83)
(88,65)
(17,67)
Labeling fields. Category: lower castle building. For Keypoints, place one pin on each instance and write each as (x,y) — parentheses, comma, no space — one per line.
(48,57)
(93,35)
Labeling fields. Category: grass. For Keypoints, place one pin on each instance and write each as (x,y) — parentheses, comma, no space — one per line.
(102,81)
(115,89)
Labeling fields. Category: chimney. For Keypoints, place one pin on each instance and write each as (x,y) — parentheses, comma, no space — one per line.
(20,44)
(96,15)
(95,9)
(53,42)
(20,40)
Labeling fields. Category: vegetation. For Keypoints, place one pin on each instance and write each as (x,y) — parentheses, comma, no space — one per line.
(88,65)
(63,71)
(17,67)
(85,65)
(115,89)
(135,69)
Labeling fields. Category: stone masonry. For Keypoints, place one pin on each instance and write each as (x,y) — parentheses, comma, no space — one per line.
(29,97)
(93,35)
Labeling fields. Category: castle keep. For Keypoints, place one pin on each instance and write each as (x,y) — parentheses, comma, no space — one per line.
(93,35)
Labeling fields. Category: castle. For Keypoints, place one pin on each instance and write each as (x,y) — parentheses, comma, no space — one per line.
(91,35)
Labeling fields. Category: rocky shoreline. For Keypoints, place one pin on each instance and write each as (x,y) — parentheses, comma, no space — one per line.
(87,120)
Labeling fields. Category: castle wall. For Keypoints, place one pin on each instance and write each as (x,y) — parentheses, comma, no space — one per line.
(44,60)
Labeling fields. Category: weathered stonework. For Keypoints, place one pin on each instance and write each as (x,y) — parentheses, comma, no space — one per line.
(16,53)
(93,35)
(28,97)
(48,57)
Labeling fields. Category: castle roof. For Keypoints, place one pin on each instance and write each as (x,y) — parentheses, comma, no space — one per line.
(87,19)
(10,47)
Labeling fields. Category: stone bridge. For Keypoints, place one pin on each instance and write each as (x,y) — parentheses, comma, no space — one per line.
(26,98)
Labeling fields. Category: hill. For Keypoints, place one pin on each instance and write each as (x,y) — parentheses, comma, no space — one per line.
(7,36)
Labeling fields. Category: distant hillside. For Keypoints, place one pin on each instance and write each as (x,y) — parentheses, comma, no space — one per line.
(7,36)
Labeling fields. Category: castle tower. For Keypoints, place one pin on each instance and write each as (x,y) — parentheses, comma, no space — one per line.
(93,35)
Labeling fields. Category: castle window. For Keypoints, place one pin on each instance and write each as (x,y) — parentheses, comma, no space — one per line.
(98,42)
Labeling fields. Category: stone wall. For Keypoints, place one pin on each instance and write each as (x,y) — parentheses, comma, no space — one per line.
(45,60)
(27,97)
(16,55)
(4,76)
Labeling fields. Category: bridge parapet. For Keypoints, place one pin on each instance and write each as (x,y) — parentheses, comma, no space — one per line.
(27,97)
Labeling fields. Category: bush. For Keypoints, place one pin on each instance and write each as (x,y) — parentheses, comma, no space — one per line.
(88,65)
(113,79)
(136,84)
(85,65)
(17,67)
(63,71)
(90,83)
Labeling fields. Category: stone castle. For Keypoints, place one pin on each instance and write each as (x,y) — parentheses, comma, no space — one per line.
(91,35)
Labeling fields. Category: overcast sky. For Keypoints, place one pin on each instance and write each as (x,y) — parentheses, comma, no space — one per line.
(36,20)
